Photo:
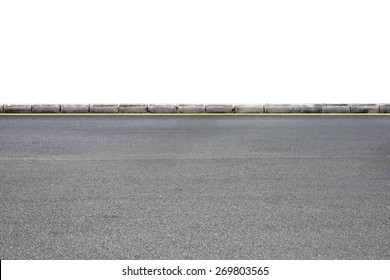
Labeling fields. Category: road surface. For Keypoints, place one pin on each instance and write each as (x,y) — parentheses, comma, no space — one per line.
(194,187)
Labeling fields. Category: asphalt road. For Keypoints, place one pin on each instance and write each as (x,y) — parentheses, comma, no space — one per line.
(195,187)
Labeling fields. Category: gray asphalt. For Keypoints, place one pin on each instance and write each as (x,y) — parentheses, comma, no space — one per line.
(195,187)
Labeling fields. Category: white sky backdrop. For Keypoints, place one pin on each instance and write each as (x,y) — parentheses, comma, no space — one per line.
(195,51)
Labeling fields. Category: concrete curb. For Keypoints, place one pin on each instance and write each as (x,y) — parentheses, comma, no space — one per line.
(219,108)
(278,108)
(364,108)
(162,108)
(75,108)
(382,108)
(104,108)
(17,108)
(191,108)
(45,108)
(336,108)
(133,108)
(307,108)
(249,108)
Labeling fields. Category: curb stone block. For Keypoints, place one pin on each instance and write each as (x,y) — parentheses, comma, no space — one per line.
(219,108)
(307,108)
(191,108)
(45,108)
(384,108)
(249,108)
(278,108)
(104,108)
(364,108)
(336,108)
(133,108)
(74,108)
(161,108)
(17,108)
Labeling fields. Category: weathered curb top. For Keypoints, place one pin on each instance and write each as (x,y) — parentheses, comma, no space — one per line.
(195,108)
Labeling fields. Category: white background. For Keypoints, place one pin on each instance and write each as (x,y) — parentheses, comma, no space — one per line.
(196,51)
